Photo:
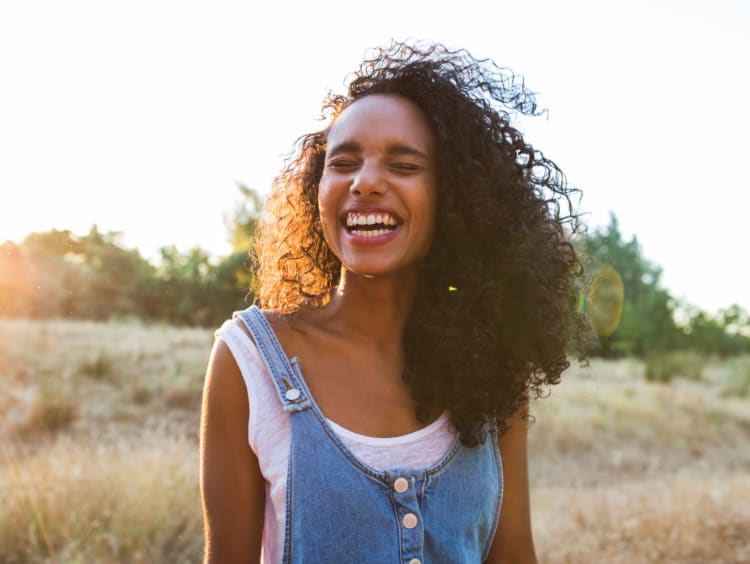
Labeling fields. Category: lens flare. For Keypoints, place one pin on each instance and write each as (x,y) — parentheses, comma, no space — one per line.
(605,300)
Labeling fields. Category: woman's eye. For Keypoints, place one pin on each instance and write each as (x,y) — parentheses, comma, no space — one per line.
(341,163)
(406,167)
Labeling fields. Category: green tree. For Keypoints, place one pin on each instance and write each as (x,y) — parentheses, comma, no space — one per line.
(59,274)
(16,276)
(242,221)
(234,272)
(724,334)
(113,279)
(647,321)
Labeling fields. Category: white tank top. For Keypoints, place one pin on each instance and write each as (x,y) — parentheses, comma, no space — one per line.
(269,436)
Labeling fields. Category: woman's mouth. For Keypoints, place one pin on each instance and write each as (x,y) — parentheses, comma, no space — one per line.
(371,224)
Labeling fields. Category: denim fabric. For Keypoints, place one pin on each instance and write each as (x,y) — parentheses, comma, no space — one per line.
(338,508)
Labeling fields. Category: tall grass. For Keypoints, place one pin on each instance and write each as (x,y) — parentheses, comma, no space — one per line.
(98,442)
(53,409)
(82,375)
(132,500)
(683,518)
(98,452)
(625,470)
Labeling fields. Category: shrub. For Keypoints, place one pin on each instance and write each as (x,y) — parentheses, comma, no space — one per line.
(141,394)
(52,409)
(737,377)
(99,366)
(184,394)
(664,366)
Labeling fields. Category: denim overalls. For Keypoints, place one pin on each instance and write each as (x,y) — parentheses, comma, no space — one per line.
(339,509)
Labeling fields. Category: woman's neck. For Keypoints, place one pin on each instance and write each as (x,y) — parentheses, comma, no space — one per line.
(374,308)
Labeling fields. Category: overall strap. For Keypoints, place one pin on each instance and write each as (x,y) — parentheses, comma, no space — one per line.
(289,387)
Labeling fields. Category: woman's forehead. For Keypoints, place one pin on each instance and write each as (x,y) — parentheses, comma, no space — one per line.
(382,118)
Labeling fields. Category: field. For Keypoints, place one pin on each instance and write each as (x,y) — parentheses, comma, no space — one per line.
(99,435)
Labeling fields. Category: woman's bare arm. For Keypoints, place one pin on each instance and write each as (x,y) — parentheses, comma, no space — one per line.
(513,540)
(232,486)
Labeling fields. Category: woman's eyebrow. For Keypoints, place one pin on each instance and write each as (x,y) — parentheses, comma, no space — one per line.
(345,147)
(400,149)
(391,150)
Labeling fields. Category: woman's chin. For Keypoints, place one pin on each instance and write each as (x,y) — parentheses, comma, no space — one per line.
(378,271)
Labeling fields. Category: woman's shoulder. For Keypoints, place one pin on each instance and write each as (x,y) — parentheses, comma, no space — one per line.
(238,322)
(298,332)
(294,329)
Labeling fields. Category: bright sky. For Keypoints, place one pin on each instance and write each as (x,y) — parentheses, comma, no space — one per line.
(142,116)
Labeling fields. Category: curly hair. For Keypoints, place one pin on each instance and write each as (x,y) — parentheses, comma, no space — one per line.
(494,316)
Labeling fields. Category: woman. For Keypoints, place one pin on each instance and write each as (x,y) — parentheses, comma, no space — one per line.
(416,283)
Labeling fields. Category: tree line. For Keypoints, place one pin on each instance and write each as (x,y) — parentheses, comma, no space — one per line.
(57,274)
(632,314)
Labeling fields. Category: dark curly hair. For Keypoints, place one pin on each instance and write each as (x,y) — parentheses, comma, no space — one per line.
(494,316)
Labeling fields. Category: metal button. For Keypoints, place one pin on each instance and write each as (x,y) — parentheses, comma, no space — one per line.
(292,394)
(401,485)
(415,561)
(409,520)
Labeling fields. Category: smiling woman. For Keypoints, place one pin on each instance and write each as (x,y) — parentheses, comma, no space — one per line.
(376,194)
(416,277)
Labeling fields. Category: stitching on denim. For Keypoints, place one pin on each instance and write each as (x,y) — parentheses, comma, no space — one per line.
(394,506)
(272,342)
(455,447)
(287,558)
(281,357)
(447,458)
(259,334)
(274,358)
(499,501)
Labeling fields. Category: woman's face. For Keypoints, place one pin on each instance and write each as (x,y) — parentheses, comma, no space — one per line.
(377,194)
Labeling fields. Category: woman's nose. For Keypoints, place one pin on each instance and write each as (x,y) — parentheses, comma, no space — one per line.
(367,182)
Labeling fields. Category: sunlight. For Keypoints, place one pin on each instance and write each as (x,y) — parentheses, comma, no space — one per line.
(605,301)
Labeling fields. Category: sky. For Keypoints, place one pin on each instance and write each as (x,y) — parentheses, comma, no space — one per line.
(143,116)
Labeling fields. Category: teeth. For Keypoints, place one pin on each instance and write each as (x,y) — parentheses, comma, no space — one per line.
(370,232)
(354,219)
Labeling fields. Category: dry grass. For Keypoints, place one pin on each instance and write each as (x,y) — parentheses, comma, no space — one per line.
(624,470)
(99,458)
(128,500)
(99,453)
(683,518)
(82,376)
